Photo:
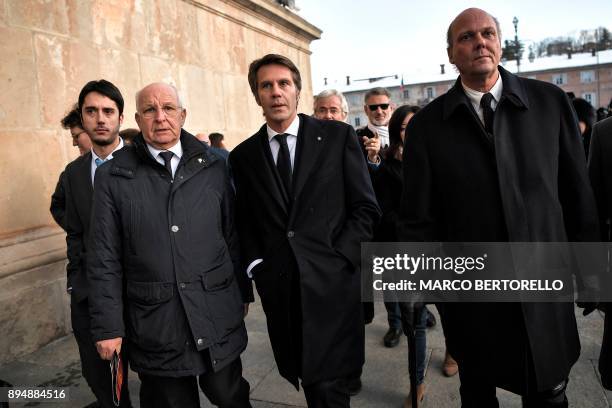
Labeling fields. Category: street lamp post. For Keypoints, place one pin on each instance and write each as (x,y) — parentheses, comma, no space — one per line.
(517,46)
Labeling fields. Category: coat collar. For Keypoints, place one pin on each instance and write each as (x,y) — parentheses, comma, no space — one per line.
(513,90)
(191,147)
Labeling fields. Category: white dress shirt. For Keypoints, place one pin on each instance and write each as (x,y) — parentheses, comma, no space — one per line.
(177,149)
(475,97)
(94,156)
(291,133)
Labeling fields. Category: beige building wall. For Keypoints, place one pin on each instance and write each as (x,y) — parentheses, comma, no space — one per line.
(50,50)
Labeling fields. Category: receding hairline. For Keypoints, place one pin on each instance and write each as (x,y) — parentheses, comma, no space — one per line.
(161,84)
(449,36)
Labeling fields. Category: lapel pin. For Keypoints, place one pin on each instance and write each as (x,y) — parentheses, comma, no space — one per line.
(199,160)
(319,138)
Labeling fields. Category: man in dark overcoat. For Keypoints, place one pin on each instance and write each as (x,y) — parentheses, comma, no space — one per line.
(600,172)
(304,204)
(99,113)
(498,158)
(163,265)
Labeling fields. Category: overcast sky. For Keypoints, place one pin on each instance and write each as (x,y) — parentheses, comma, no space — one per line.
(368,38)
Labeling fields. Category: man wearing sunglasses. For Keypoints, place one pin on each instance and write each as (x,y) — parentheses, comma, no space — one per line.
(378,108)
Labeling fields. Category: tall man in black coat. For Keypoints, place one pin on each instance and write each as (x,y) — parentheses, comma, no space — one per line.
(600,172)
(304,205)
(101,109)
(499,158)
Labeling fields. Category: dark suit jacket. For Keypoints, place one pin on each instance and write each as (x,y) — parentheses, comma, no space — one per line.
(319,229)
(58,202)
(600,171)
(530,185)
(79,192)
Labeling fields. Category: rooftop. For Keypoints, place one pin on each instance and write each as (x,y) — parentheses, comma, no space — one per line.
(422,77)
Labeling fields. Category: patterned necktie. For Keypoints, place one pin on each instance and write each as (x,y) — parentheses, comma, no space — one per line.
(487,112)
(283,162)
(99,161)
(167,156)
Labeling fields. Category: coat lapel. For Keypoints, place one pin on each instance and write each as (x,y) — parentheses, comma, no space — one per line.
(310,144)
(263,161)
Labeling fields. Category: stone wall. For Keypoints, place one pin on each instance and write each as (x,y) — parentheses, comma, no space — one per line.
(52,48)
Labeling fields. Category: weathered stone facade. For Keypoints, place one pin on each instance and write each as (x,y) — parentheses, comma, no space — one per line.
(50,50)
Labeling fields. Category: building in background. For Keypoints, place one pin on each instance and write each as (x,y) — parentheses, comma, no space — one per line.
(51,49)
(587,75)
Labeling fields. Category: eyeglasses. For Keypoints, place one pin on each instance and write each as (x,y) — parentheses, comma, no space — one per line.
(169,110)
(383,106)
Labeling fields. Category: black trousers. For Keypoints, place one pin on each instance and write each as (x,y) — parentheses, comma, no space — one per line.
(476,392)
(95,370)
(225,388)
(328,394)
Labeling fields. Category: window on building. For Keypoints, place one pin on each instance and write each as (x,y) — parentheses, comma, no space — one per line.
(590,97)
(357,122)
(559,79)
(429,91)
(406,94)
(586,77)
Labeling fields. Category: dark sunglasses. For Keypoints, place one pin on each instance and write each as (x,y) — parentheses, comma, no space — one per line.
(383,106)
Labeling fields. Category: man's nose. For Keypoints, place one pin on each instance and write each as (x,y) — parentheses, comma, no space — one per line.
(160,115)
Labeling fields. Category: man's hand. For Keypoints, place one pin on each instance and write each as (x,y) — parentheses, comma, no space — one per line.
(246,309)
(372,146)
(107,347)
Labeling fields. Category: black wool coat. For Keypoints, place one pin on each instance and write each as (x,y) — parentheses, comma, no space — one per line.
(529,185)
(319,229)
(163,261)
(78,192)
(600,172)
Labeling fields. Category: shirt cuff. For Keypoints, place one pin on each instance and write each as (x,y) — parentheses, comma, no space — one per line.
(251,266)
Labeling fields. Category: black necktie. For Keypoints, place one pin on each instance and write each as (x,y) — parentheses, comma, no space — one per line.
(283,162)
(487,112)
(167,156)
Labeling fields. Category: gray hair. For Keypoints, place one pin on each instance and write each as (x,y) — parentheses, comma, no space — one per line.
(179,102)
(331,92)
(376,91)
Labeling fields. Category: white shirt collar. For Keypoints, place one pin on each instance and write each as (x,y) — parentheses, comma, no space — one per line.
(177,149)
(475,95)
(291,130)
(94,156)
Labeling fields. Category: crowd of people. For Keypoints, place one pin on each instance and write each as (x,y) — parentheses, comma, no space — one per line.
(167,231)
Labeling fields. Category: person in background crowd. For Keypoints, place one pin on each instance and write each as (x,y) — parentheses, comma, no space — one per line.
(586,119)
(203,137)
(80,139)
(330,104)
(216,142)
(378,108)
(388,186)
(127,135)
(469,164)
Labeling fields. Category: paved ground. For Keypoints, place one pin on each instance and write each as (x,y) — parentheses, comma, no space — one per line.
(385,374)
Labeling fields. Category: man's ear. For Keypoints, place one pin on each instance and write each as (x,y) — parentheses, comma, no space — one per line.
(449,52)
(121,119)
(297,98)
(183,116)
